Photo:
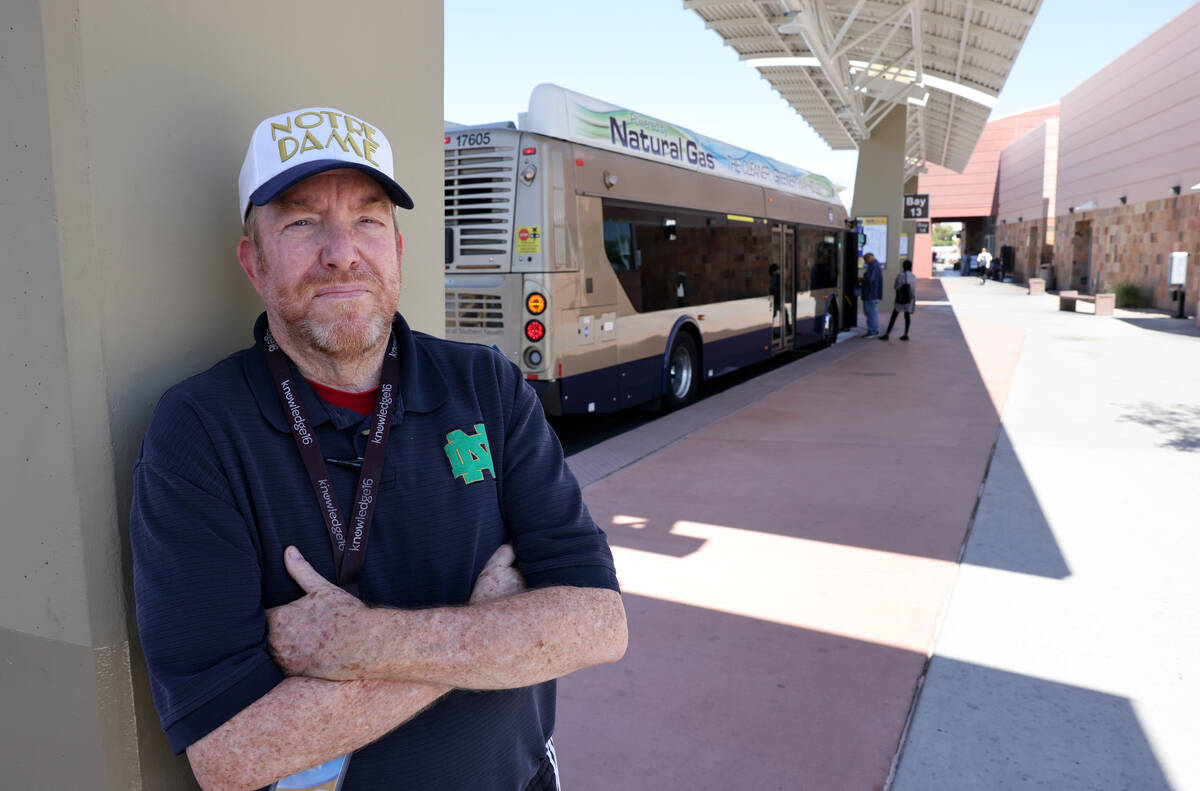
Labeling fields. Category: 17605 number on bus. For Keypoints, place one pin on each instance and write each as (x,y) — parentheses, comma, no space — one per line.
(473,139)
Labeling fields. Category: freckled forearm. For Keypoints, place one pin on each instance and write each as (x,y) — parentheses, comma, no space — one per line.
(513,642)
(301,723)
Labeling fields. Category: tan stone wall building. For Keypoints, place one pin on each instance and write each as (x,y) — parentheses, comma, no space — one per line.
(972,197)
(1117,177)
(1129,160)
(1131,244)
(1101,189)
(1025,214)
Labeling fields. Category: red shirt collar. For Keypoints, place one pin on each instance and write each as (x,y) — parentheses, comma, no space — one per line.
(362,403)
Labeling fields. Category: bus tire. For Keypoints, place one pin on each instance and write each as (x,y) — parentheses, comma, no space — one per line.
(683,373)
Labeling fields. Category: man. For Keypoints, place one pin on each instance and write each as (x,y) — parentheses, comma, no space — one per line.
(872,292)
(984,260)
(261,667)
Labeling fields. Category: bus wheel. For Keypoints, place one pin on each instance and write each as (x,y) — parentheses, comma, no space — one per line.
(682,373)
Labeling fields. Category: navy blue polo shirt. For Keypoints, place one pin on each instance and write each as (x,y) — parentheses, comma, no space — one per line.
(220,491)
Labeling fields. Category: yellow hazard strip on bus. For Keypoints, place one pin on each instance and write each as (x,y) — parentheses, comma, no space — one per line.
(739,217)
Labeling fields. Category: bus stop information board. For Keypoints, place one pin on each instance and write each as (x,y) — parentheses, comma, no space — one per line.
(1177,272)
(874,234)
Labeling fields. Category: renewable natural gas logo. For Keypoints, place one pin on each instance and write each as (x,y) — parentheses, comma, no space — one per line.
(641,134)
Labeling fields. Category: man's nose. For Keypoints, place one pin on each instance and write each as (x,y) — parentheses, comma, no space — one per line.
(340,251)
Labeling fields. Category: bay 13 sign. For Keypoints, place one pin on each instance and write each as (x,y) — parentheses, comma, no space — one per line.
(916,207)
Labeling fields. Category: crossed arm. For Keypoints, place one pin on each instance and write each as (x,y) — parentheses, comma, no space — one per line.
(356,673)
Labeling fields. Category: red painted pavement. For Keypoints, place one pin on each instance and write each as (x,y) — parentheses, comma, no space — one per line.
(784,570)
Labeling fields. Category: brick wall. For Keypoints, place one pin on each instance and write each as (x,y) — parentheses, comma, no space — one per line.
(1029,242)
(1131,243)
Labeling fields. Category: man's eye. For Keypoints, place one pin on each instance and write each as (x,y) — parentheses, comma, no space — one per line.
(302,222)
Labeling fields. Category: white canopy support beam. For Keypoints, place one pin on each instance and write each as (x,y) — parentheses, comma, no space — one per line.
(843,63)
(814,38)
(962,50)
(862,39)
(853,15)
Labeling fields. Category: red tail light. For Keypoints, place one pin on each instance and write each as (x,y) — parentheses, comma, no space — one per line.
(535,330)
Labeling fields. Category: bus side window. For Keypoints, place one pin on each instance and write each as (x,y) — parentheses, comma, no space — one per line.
(824,274)
(749,253)
(619,246)
(805,251)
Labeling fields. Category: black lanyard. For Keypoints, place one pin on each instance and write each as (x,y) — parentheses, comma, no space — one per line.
(349,542)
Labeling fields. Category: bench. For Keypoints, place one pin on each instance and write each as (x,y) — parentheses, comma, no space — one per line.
(1104,302)
(1037,286)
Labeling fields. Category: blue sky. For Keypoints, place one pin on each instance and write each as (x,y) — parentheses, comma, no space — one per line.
(657,58)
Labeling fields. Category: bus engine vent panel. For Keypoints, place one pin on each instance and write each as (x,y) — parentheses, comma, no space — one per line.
(473,311)
(480,188)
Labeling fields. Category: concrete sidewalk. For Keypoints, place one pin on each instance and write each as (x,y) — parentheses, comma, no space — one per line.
(788,549)
(1069,653)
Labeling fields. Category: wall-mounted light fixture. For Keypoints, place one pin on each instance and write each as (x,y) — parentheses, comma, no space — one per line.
(1004,221)
(1070,210)
(1124,199)
(1178,188)
(1020,219)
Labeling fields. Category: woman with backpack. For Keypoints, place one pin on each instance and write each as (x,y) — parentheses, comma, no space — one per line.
(906,299)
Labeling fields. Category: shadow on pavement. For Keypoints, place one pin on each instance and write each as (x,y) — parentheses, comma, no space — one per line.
(884,450)
(785,567)
(999,730)
(1020,539)
(1166,324)
(1180,423)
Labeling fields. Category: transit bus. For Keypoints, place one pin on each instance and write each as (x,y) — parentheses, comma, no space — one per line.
(618,259)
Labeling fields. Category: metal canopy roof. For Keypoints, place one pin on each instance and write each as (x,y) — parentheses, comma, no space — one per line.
(842,64)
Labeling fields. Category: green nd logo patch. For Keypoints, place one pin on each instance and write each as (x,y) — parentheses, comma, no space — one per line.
(469,454)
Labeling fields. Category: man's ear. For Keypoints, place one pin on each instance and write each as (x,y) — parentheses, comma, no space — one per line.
(399,245)
(247,256)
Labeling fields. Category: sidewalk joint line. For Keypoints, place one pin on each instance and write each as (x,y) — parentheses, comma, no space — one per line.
(941,618)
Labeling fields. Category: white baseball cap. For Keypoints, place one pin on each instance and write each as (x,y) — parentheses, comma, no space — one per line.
(286,149)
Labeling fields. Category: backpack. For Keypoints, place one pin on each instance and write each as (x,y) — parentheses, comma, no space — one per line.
(904,293)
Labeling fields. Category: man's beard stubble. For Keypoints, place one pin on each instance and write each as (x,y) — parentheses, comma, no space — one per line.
(340,337)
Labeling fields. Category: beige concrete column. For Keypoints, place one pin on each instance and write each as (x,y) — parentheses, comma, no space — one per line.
(879,192)
(122,134)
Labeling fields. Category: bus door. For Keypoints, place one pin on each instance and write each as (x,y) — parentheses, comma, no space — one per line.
(849,292)
(783,287)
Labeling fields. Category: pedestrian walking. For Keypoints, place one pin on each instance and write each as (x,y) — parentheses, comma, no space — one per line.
(906,299)
(872,292)
(985,263)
